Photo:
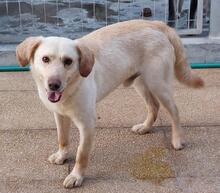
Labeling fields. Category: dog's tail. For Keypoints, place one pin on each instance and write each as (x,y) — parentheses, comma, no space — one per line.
(182,69)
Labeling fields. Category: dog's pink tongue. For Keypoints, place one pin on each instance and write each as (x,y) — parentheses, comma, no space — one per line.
(54,96)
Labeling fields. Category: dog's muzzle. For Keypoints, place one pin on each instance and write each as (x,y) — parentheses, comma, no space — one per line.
(54,94)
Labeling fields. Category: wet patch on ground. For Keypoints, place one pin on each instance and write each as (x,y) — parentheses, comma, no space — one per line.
(151,165)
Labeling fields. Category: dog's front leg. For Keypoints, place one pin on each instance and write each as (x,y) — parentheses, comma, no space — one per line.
(63,127)
(86,126)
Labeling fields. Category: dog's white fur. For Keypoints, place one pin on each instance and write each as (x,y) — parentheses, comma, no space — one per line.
(146,53)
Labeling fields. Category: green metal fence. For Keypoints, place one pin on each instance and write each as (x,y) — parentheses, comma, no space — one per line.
(16,68)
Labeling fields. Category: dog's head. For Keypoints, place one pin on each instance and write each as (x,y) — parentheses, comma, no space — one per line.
(55,62)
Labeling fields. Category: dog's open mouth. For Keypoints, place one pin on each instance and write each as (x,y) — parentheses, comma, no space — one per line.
(54,96)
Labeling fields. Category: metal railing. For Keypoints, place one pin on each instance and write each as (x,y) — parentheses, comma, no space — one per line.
(74,18)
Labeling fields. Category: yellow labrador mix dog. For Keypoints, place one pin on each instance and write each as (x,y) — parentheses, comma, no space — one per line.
(72,75)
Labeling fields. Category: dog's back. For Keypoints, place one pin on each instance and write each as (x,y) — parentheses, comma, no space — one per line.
(104,36)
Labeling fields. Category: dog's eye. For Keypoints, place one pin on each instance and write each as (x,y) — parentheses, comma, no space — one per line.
(46,59)
(67,61)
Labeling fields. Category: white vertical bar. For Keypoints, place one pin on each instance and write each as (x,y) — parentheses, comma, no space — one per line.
(176,11)
(106,12)
(94,15)
(142,10)
(177,6)
(154,9)
(131,9)
(199,21)
(118,10)
(6,6)
(188,22)
(32,12)
(45,16)
(19,10)
(32,8)
(57,6)
(214,19)
(81,5)
(165,10)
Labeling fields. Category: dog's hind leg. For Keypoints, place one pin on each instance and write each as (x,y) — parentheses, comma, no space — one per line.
(162,90)
(152,106)
(163,93)
(157,75)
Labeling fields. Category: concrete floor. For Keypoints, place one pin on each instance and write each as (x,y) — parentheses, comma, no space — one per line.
(120,161)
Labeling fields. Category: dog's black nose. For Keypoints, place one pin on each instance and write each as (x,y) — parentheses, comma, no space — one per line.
(54,84)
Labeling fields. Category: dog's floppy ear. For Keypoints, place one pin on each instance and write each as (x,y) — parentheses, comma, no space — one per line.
(86,59)
(25,50)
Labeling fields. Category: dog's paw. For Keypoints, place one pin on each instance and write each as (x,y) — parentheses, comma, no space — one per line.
(73,180)
(140,129)
(178,143)
(59,157)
